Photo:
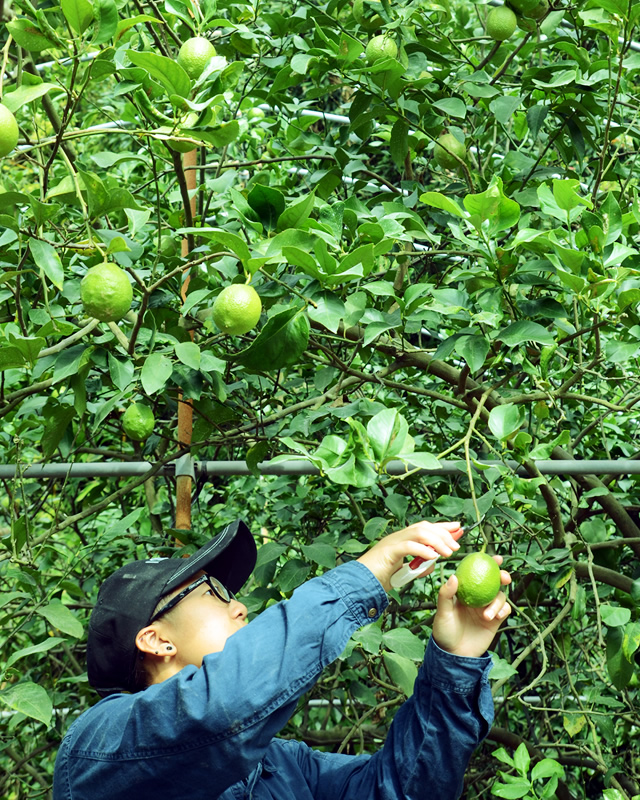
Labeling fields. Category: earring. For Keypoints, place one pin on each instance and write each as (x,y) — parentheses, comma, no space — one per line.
(156,652)
(169,647)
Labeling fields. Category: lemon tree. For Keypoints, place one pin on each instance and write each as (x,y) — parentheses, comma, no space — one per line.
(106,292)
(478,577)
(237,309)
(138,422)
(468,323)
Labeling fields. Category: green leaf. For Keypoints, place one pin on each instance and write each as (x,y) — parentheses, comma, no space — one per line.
(387,432)
(297,213)
(28,35)
(27,94)
(156,371)
(268,203)
(188,353)
(55,429)
(404,643)
(293,574)
(547,768)
(495,212)
(78,13)
(280,343)
(230,241)
(614,616)
(452,107)
(47,259)
(60,617)
(29,699)
(620,669)
(505,420)
(524,331)
(106,14)
(402,670)
(399,143)
(503,108)
(473,349)
(43,647)
(522,760)
(165,70)
(320,553)
(444,203)
(566,196)
(518,787)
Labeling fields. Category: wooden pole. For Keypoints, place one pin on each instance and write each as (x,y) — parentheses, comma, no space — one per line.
(185,409)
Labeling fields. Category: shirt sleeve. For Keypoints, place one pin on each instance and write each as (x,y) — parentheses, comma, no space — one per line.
(237,701)
(429,743)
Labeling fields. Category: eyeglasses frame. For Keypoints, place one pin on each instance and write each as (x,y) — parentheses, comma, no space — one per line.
(218,588)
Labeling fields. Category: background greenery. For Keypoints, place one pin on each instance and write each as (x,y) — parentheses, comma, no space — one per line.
(483,314)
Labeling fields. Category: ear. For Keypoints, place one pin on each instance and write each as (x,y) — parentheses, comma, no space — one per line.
(154,641)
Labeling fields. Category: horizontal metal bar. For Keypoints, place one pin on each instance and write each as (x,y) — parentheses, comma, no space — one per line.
(127,469)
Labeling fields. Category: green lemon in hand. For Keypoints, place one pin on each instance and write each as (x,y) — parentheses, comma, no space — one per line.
(501,23)
(478,580)
(194,55)
(237,309)
(138,422)
(8,131)
(106,293)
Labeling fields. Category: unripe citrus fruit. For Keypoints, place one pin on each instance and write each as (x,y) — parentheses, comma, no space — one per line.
(380,47)
(501,23)
(194,55)
(168,246)
(176,144)
(539,11)
(138,422)
(445,150)
(478,580)
(106,292)
(8,131)
(237,309)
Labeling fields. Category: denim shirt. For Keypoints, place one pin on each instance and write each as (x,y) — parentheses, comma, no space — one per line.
(208,733)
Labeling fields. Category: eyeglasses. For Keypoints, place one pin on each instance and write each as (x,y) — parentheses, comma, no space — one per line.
(219,590)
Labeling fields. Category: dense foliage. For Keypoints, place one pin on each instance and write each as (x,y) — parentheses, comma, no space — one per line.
(480,315)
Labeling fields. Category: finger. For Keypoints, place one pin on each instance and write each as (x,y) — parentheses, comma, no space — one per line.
(499,608)
(505,577)
(447,592)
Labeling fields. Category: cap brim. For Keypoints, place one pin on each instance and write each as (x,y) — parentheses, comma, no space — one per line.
(230,557)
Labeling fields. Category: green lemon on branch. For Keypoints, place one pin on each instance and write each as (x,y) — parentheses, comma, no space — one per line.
(9,133)
(138,422)
(106,292)
(380,47)
(194,56)
(237,309)
(478,580)
(446,149)
(501,23)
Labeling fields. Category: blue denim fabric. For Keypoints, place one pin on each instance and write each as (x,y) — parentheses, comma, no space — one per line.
(208,733)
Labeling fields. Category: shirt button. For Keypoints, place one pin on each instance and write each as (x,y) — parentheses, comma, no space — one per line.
(373,612)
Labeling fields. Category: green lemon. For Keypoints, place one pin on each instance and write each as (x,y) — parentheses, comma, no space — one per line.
(539,11)
(8,131)
(501,23)
(138,422)
(194,55)
(237,309)
(106,292)
(478,580)
(380,47)
(445,150)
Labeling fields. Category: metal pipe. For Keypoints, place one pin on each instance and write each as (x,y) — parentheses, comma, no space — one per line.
(296,467)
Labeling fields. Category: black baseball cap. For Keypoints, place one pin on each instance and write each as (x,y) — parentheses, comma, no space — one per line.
(127,598)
